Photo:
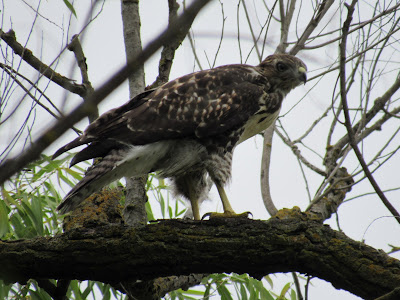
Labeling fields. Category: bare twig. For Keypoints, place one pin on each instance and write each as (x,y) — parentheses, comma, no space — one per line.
(42,68)
(323,8)
(297,152)
(353,143)
(76,47)
(168,51)
(251,31)
(297,285)
(286,19)
(192,45)
(222,33)
(355,28)
(379,104)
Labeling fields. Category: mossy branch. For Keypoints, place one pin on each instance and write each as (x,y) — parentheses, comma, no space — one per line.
(114,253)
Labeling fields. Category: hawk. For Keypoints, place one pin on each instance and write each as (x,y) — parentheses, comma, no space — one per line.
(186,129)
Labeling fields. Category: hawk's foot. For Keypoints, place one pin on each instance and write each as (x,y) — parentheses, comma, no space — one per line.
(227,214)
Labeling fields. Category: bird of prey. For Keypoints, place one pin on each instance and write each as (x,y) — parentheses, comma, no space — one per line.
(186,129)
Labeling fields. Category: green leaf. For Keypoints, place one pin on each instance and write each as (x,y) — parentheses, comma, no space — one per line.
(35,221)
(150,215)
(4,290)
(4,226)
(224,292)
(74,174)
(285,289)
(269,280)
(193,292)
(243,293)
(70,7)
(207,291)
(293,295)
(76,290)
(65,179)
(88,289)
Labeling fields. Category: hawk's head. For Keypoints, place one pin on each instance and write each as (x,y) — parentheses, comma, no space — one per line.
(284,72)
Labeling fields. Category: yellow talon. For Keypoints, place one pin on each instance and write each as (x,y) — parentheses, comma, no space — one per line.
(228,211)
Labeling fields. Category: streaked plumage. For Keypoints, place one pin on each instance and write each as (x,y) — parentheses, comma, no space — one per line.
(186,129)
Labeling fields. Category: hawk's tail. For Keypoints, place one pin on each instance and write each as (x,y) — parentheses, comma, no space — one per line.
(127,161)
(96,177)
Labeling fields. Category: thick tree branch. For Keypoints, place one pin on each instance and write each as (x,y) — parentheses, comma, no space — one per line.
(10,167)
(327,204)
(115,253)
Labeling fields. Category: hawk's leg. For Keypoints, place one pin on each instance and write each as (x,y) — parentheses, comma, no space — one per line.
(194,186)
(194,202)
(228,210)
(219,168)
(225,202)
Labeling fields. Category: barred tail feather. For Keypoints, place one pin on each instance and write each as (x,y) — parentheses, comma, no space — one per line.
(128,161)
(95,179)
(75,143)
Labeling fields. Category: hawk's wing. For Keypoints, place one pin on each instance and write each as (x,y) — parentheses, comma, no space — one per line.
(197,105)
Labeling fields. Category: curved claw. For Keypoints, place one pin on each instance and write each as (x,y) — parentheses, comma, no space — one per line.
(227,214)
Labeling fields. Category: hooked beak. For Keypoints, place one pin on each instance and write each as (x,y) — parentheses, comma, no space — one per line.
(303,74)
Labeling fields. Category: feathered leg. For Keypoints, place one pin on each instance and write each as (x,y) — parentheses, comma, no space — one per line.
(194,187)
(219,169)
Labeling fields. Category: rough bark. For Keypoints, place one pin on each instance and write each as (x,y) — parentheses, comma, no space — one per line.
(289,242)
(134,212)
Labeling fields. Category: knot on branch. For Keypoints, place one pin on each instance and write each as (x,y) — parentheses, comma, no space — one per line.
(333,196)
(99,209)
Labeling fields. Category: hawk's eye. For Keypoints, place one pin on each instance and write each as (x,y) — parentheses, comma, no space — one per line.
(281,67)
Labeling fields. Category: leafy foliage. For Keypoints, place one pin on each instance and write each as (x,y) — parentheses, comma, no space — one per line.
(234,286)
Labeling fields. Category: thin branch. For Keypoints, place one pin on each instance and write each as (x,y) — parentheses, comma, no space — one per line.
(222,33)
(357,54)
(265,170)
(251,31)
(168,51)
(286,20)
(323,9)
(353,143)
(42,68)
(297,153)
(76,47)
(357,27)
(11,72)
(379,104)
(297,285)
(192,46)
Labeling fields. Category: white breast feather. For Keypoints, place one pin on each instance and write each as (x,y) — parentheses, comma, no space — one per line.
(253,126)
